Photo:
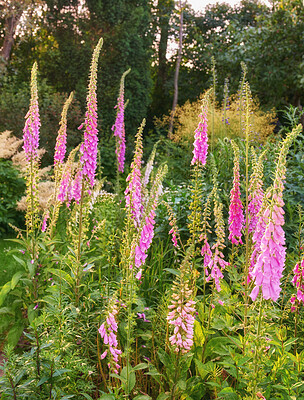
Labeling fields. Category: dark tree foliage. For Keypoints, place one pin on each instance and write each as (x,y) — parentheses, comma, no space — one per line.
(125,28)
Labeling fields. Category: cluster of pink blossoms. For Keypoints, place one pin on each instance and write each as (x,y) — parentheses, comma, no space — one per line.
(206,253)
(172,232)
(133,191)
(236,217)
(146,237)
(60,146)
(216,260)
(201,137)
(65,185)
(108,330)
(88,148)
(32,122)
(269,266)
(182,318)
(298,283)
(256,195)
(216,265)
(269,236)
(119,127)
(44,222)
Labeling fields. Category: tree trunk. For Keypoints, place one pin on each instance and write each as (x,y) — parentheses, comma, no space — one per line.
(11,23)
(178,61)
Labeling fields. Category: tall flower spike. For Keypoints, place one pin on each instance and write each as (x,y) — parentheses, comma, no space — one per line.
(147,228)
(88,148)
(173,223)
(236,217)
(256,193)
(201,136)
(108,332)
(149,166)
(30,146)
(60,146)
(225,119)
(270,264)
(206,250)
(32,122)
(217,262)
(133,193)
(119,127)
(181,310)
(65,184)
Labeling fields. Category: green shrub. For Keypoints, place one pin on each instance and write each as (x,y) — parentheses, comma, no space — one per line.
(12,187)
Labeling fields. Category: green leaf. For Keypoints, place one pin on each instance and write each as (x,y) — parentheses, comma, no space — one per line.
(140,366)
(142,397)
(59,372)
(4,291)
(14,334)
(6,310)
(162,396)
(199,337)
(172,271)
(63,275)
(87,396)
(44,379)
(165,358)
(15,279)
(202,370)
(182,384)
(107,397)
(228,392)
(129,380)
(19,261)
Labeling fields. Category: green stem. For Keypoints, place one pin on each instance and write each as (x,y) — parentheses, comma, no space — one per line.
(247,220)
(78,254)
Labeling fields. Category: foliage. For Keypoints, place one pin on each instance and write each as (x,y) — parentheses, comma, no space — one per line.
(115,296)
(12,187)
(14,103)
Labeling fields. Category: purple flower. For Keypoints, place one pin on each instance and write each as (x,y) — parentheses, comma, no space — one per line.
(201,137)
(268,269)
(44,223)
(32,122)
(60,146)
(119,127)
(88,148)
(236,217)
(181,317)
(108,330)
(133,191)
